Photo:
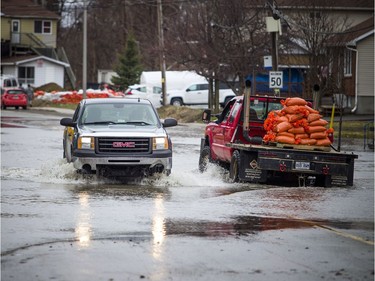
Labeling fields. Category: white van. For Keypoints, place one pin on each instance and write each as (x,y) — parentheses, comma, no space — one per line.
(8,81)
(197,94)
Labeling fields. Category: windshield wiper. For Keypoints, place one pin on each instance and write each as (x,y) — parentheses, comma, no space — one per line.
(100,123)
(137,123)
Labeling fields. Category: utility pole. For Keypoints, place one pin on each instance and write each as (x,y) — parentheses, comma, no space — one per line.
(161,53)
(84,63)
(274,39)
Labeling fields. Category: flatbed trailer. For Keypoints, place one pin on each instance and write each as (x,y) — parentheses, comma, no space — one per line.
(308,164)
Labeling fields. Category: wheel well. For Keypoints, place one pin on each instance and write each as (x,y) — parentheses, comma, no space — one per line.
(177,98)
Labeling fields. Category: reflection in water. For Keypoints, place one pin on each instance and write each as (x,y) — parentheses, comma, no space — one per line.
(83,228)
(158,233)
(158,227)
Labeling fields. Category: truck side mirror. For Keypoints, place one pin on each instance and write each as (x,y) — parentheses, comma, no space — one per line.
(206,116)
(67,122)
(169,122)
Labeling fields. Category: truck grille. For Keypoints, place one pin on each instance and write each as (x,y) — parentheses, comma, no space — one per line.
(123,145)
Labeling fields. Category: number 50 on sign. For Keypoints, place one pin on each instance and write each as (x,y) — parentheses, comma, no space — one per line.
(276,79)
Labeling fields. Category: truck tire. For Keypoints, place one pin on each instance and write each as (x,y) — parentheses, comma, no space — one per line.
(234,167)
(204,158)
(177,102)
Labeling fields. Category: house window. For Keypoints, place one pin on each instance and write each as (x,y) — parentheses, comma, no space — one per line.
(347,62)
(26,75)
(43,26)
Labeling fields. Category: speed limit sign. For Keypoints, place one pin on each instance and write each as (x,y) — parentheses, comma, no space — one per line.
(276,79)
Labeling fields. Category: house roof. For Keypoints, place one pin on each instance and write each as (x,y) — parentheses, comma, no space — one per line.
(25,59)
(354,34)
(25,9)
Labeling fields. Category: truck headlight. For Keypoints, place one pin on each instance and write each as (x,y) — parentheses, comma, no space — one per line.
(160,143)
(86,143)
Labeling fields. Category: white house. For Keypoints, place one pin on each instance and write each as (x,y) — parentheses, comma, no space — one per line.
(35,70)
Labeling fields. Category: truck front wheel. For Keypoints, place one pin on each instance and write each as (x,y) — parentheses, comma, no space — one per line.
(234,166)
(204,158)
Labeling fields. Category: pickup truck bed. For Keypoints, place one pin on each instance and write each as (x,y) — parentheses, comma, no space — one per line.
(268,163)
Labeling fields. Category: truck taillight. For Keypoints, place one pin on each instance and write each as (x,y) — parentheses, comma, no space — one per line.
(325,170)
(282,167)
(330,137)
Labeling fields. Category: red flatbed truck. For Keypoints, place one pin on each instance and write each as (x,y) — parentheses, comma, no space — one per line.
(235,142)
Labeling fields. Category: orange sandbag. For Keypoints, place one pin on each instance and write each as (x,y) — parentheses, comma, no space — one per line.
(311,110)
(314,129)
(313,117)
(320,122)
(323,142)
(301,136)
(295,101)
(295,117)
(280,119)
(286,134)
(284,139)
(298,130)
(318,135)
(308,141)
(283,127)
(270,136)
(292,109)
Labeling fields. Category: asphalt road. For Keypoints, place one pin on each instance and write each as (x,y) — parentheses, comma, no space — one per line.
(56,225)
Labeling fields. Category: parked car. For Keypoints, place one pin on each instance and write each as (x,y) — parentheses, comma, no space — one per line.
(14,98)
(197,94)
(118,137)
(152,93)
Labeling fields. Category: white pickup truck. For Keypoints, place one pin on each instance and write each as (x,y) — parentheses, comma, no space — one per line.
(118,137)
(197,94)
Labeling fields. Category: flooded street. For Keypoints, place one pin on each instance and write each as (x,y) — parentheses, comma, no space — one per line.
(57,225)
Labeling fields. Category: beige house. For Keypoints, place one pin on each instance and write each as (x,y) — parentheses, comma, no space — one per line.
(362,48)
(29,45)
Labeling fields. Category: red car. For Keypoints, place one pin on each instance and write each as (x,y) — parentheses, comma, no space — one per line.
(14,98)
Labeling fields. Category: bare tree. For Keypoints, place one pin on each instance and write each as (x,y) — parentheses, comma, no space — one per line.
(312,25)
(219,39)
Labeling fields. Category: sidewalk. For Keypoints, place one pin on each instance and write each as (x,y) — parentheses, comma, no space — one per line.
(63,111)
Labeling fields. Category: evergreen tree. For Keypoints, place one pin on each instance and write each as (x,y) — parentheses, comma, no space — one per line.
(129,68)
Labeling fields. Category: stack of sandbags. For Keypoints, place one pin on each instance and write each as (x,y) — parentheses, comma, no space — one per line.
(296,123)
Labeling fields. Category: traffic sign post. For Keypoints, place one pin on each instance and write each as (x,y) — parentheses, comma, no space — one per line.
(276,79)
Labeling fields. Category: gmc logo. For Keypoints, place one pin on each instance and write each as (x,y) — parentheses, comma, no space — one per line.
(123,144)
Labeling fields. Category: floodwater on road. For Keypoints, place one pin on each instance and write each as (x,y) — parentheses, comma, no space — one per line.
(55,224)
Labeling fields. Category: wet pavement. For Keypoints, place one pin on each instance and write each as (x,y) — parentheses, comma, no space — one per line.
(56,225)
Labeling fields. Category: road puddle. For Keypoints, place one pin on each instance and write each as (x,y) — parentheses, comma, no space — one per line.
(10,122)
(248,225)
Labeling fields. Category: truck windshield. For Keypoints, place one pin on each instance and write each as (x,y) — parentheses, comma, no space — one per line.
(107,113)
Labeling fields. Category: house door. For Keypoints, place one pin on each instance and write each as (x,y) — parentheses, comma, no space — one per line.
(16,31)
